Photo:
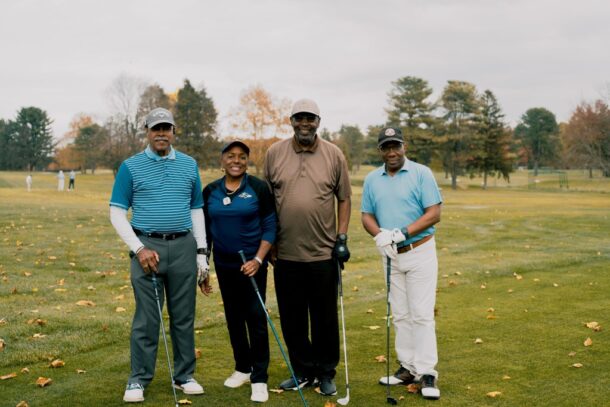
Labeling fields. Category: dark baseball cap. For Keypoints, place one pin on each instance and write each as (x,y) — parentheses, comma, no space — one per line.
(389,134)
(159,115)
(233,143)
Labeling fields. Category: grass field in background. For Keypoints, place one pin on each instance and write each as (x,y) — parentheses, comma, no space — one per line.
(521,269)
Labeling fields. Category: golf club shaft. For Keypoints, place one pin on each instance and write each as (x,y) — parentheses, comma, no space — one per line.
(277,338)
(388,270)
(343,326)
(169,365)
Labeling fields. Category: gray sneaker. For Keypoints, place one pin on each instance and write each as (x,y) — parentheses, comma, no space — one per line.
(289,383)
(327,387)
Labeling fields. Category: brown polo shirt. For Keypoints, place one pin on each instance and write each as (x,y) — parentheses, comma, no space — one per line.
(305,183)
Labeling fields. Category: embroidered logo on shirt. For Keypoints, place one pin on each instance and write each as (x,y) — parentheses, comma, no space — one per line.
(244,195)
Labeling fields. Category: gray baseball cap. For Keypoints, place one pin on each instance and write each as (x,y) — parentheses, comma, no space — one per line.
(159,115)
(305,106)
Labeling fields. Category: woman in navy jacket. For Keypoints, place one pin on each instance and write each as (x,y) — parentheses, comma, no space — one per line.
(240,215)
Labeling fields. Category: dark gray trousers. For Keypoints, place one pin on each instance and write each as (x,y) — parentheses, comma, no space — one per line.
(177,282)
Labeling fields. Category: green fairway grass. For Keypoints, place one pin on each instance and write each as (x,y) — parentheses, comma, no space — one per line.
(521,269)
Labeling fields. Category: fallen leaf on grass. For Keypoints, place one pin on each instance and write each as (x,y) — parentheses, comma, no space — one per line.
(412,388)
(452,282)
(494,394)
(491,309)
(506,377)
(401,398)
(572,354)
(380,358)
(38,336)
(44,381)
(478,341)
(27,273)
(8,376)
(593,325)
(555,285)
(355,288)
(184,401)
(3,321)
(72,264)
(369,311)
(81,371)
(52,258)
(329,404)
(120,297)
(372,327)
(57,363)
(577,365)
(25,370)
(490,316)
(85,303)
(197,353)
(2,345)
(60,290)
(37,321)
(277,391)
(483,286)
(120,309)
(23,403)
(91,288)
(317,390)
(588,342)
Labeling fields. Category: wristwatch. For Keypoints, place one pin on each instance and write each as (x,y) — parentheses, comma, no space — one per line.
(203,250)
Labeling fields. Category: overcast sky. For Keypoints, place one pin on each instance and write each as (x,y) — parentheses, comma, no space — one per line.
(61,56)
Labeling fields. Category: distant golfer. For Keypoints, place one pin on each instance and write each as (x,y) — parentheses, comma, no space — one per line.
(72,177)
(400,204)
(61,179)
(28,182)
(240,215)
(307,174)
(167,235)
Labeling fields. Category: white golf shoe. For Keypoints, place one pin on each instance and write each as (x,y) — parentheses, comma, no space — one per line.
(428,388)
(237,379)
(134,393)
(259,392)
(190,387)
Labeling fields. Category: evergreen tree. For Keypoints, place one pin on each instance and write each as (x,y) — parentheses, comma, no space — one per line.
(492,142)
(88,142)
(195,117)
(351,142)
(538,132)
(412,112)
(33,138)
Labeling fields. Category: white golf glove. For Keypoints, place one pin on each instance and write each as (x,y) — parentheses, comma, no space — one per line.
(398,236)
(385,244)
(203,269)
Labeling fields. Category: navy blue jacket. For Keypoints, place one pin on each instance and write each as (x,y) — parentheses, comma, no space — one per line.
(238,221)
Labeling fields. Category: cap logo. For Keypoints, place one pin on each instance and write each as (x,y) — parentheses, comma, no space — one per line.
(159,114)
(390,132)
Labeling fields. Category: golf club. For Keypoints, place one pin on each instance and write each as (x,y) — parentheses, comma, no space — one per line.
(277,338)
(389,399)
(169,365)
(343,401)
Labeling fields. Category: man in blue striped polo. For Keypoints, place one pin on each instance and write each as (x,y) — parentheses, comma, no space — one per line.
(167,237)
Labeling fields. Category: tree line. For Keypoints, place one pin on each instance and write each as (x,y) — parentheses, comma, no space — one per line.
(462,132)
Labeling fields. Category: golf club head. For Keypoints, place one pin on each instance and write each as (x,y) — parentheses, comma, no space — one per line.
(343,401)
(391,400)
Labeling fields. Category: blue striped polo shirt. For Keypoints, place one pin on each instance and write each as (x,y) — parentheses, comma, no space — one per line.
(399,200)
(161,191)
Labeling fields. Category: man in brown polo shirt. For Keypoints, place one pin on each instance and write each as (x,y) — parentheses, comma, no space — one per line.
(306,174)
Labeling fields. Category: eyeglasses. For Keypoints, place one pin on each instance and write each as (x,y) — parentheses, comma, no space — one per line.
(386,148)
(308,117)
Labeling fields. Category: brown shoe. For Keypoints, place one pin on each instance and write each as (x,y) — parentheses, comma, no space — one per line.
(401,376)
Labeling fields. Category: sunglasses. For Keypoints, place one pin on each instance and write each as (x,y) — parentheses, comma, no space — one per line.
(308,117)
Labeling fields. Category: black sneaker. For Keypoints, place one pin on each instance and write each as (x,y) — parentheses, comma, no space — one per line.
(428,387)
(402,376)
(289,383)
(328,387)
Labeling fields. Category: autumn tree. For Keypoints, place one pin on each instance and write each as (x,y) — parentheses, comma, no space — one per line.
(461,109)
(538,133)
(491,145)
(586,137)
(152,97)
(260,116)
(411,110)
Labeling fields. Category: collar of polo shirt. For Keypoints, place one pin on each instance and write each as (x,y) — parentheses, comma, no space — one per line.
(309,149)
(154,156)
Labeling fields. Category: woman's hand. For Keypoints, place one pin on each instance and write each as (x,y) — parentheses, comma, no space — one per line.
(250,268)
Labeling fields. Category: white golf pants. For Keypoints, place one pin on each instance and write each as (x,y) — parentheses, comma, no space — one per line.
(413,279)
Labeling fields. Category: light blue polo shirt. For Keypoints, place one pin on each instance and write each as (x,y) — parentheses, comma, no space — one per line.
(161,191)
(400,200)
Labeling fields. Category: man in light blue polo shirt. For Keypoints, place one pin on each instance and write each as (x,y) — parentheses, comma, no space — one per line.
(166,237)
(401,203)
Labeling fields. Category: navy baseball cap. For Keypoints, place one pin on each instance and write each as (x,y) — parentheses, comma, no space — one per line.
(233,143)
(389,134)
